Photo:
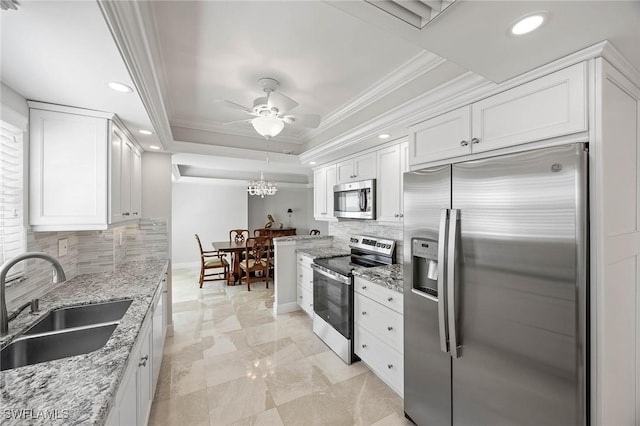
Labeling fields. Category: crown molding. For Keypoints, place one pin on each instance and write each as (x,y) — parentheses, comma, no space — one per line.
(127,26)
(464,90)
(183,149)
(442,98)
(224,129)
(619,62)
(410,70)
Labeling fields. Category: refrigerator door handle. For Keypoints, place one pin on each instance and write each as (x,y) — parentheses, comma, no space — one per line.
(454,221)
(442,297)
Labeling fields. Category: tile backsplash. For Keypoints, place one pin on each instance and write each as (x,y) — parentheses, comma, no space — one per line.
(343,229)
(88,252)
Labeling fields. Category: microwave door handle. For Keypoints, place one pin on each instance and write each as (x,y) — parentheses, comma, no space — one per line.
(362,195)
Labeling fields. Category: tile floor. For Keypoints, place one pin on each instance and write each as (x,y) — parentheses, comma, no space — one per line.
(231,362)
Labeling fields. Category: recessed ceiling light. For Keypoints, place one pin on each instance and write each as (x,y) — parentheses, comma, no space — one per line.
(384,136)
(312,162)
(528,23)
(145,132)
(120,87)
(154,147)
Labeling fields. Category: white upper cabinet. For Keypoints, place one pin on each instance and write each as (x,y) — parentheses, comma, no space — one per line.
(362,167)
(389,184)
(445,136)
(551,106)
(126,178)
(324,178)
(81,169)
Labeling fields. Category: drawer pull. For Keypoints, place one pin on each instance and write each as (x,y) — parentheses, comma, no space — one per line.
(143,361)
(390,328)
(364,287)
(299,297)
(389,366)
(464,143)
(364,346)
(300,275)
(364,312)
(475,140)
(390,299)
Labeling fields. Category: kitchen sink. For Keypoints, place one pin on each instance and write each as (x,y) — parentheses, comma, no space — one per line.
(29,350)
(79,316)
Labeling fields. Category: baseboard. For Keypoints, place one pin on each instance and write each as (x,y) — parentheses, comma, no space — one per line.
(286,308)
(186,265)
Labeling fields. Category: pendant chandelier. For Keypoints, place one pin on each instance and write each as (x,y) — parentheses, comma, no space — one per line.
(261,187)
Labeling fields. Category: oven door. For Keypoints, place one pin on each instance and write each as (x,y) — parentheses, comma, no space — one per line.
(333,300)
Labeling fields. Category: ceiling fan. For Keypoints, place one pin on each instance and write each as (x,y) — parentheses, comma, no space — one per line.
(271,112)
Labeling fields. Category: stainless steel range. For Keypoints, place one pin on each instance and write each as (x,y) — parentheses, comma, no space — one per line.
(333,291)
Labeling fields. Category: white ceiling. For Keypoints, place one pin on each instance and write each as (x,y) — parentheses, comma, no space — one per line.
(346,60)
(63,53)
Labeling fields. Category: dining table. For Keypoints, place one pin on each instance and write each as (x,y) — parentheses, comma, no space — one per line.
(235,248)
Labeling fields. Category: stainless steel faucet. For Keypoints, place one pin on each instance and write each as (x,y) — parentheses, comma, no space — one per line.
(4,269)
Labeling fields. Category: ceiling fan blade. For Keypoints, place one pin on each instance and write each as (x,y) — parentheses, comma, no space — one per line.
(234,105)
(303,120)
(281,102)
(248,120)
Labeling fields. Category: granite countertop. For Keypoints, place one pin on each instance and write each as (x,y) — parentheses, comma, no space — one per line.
(302,237)
(389,276)
(80,389)
(323,252)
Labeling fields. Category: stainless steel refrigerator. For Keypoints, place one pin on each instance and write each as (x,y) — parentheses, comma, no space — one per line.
(495,290)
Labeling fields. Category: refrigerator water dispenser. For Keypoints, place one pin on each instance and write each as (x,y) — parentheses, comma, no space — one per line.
(424,259)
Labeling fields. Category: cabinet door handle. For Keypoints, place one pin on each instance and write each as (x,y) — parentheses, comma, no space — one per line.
(401,214)
(396,215)
(475,140)
(390,328)
(299,297)
(364,287)
(364,312)
(390,299)
(125,214)
(364,346)
(143,361)
(464,143)
(389,366)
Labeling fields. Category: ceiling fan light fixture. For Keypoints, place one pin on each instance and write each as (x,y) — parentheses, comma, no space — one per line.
(267,125)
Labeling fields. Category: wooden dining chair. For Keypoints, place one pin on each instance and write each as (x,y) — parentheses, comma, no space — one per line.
(214,260)
(314,232)
(256,261)
(238,235)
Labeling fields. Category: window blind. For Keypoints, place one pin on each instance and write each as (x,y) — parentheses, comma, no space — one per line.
(12,230)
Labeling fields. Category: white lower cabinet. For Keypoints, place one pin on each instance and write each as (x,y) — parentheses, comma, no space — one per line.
(305,284)
(135,394)
(379,331)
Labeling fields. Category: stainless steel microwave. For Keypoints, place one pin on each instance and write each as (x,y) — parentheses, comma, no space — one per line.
(355,200)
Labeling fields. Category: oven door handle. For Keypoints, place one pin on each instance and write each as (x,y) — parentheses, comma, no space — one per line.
(332,275)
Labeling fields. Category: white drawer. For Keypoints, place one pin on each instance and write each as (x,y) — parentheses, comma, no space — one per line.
(305,277)
(385,362)
(304,260)
(389,298)
(305,300)
(381,321)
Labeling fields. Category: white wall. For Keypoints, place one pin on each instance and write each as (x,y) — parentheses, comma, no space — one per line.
(209,210)
(297,199)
